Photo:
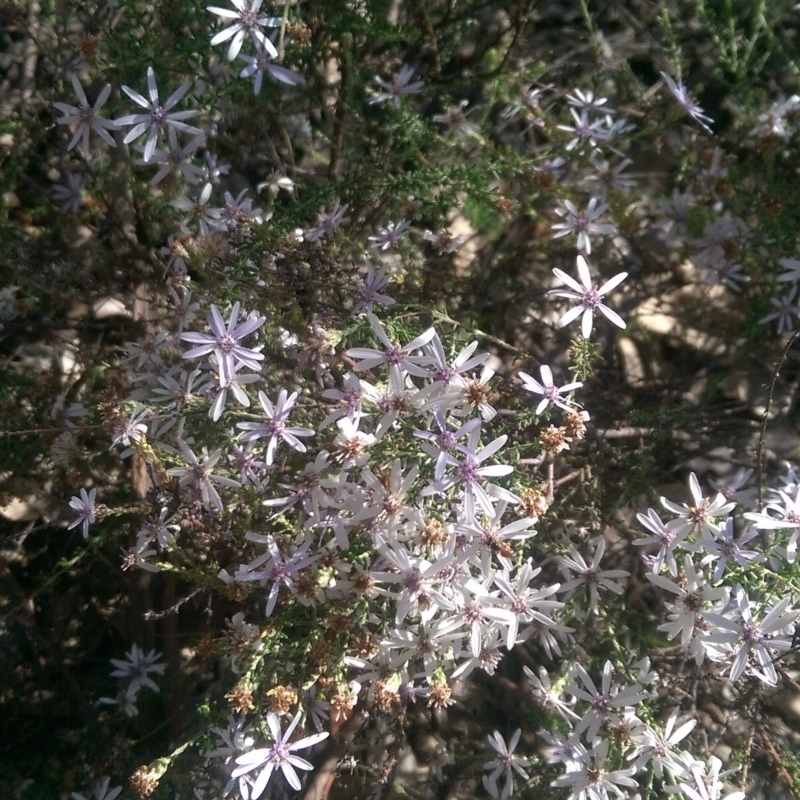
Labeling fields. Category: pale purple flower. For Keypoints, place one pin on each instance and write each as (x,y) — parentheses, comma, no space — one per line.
(693,596)
(786,504)
(587,778)
(445,372)
(395,90)
(131,431)
(586,100)
(125,701)
(609,177)
(439,444)
(657,748)
(516,594)
(275,428)
(785,311)
(586,129)
(263,64)
(699,781)
(667,538)
(273,565)
(549,391)
(371,290)
(280,755)
(400,360)
(137,667)
(792,273)
(214,168)
(158,529)
(548,698)
(779,120)
(239,209)
(85,118)
(726,274)
(528,104)
(389,235)
(197,475)
(199,211)
(276,182)
(327,222)
(233,741)
(583,223)
(471,475)
(718,237)
(347,400)
(504,765)
(674,216)
(176,159)
(251,470)
(722,546)
(84,506)
(351,445)
(683,97)
(244,21)
(602,702)
(590,575)
(701,515)
(456,119)
(69,193)
(751,641)
(730,487)
(157,117)
(224,342)
(413,584)
(445,243)
(588,298)
(232,387)
(101,791)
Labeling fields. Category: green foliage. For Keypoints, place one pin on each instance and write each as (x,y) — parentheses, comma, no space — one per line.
(386,163)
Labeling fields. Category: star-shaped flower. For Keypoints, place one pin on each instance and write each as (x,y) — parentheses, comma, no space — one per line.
(588,297)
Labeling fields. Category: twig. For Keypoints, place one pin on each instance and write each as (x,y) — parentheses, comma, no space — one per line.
(148,615)
(322,781)
(765,419)
(340,112)
(774,757)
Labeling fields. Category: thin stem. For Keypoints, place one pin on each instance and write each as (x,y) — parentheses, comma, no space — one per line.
(765,419)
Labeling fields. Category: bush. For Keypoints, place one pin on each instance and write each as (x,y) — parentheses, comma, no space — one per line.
(351,349)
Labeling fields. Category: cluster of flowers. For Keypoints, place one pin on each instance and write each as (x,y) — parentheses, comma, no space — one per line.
(716,621)
(389,498)
(745,636)
(427,543)
(427,539)
(135,674)
(162,123)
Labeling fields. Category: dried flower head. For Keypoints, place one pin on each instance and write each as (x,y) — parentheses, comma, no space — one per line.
(553,440)
(143,781)
(282,699)
(240,699)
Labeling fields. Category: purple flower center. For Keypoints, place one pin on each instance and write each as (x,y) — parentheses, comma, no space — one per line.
(752,634)
(550,392)
(473,613)
(591,299)
(395,356)
(226,343)
(468,471)
(445,440)
(279,753)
